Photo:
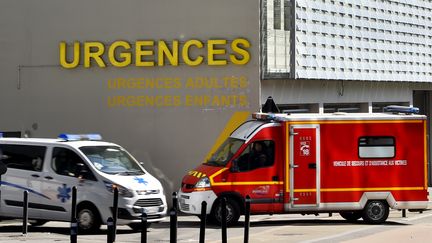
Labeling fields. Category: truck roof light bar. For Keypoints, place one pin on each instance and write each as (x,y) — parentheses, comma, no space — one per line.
(264,116)
(401,109)
(80,137)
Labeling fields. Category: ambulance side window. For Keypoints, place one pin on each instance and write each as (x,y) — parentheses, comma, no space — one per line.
(67,162)
(24,157)
(376,147)
(258,154)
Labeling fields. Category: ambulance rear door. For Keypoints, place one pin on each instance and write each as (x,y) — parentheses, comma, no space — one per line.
(304,166)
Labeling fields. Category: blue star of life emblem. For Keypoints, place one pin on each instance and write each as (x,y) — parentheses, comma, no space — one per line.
(140,180)
(64,193)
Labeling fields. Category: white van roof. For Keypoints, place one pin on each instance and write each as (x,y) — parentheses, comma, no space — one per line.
(55,141)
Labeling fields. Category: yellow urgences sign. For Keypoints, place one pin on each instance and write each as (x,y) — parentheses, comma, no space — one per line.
(149,53)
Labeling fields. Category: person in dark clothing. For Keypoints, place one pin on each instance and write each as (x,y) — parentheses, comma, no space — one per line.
(258,156)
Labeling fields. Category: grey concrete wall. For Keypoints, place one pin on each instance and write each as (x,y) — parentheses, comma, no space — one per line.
(333,91)
(39,97)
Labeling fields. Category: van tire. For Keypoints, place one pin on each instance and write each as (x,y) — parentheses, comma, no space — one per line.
(37,222)
(88,219)
(232,214)
(352,216)
(375,212)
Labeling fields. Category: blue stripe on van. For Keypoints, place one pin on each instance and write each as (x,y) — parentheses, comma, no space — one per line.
(23,188)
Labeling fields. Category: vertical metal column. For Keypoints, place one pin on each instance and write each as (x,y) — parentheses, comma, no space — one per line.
(110,232)
(173,225)
(247,219)
(25,213)
(203,221)
(143,227)
(223,220)
(115,213)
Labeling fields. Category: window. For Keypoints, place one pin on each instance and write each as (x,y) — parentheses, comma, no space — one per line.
(10,134)
(379,106)
(287,15)
(66,162)
(25,157)
(258,154)
(345,107)
(299,108)
(112,160)
(277,15)
(376,147)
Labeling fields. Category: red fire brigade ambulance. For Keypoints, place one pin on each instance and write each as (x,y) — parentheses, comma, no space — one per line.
(358,165)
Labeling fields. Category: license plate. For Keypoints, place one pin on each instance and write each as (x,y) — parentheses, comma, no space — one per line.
(151,210)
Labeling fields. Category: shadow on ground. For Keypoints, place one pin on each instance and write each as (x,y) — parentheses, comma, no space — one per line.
(196,224)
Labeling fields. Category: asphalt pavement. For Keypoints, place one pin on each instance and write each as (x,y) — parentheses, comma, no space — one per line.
(416,227)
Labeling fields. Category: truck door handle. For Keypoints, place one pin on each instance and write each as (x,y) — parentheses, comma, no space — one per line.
(35,175)
(294,166)
(312,165)
(275,178)
(48,177)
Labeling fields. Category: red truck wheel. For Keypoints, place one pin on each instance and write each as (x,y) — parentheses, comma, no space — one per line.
(232,212)
(375,212)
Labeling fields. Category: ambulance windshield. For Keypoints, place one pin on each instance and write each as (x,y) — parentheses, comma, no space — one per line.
(225,152)
(112,160)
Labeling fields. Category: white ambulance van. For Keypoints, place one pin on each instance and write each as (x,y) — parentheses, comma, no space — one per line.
(49,168)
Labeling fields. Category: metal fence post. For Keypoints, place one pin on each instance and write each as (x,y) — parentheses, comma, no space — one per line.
(247,219)
(25,213)
(223,220)
(73,230)
(175,200)
(143,227)
(203,221)
(74,202)
(115,213)
(173,225)
(110,232)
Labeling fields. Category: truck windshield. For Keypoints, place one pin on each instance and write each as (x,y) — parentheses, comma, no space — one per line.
(112,160)
(225,152)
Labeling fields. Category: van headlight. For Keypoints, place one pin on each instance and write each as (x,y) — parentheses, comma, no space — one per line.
(203,184)
(123,191)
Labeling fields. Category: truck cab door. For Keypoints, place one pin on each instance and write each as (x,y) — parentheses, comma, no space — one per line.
(258,175)
(304,165)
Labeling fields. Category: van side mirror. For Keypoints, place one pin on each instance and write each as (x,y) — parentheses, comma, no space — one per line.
(234,166)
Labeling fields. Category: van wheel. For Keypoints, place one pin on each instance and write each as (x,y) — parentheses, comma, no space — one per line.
(88,219)
(351,216)
(232,212)
(375,212)
(37,222)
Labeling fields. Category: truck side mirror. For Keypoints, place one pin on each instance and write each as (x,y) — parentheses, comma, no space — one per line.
(3,168)
(234,166)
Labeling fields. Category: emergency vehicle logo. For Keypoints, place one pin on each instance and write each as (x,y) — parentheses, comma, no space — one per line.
(304,148)
(64,193)
(140,181)
(261,190)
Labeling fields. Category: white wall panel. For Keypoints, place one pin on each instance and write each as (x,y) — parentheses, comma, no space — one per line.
(389,40)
